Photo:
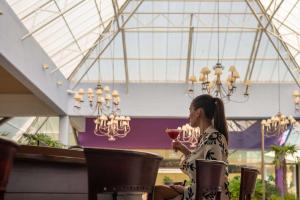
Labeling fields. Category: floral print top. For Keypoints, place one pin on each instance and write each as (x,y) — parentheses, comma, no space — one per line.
(212,146)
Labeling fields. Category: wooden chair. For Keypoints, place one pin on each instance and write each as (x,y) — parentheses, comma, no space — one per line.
(7,152)
(113,171)
(209,177)
(248,180)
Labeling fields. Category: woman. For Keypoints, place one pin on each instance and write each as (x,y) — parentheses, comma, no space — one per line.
(207,113)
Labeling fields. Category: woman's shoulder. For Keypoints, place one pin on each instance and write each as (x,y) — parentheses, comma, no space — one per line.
(213,136)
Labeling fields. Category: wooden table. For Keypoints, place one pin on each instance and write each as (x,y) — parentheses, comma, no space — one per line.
(43,173)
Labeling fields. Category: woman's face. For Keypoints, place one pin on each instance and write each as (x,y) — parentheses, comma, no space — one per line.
(194,116)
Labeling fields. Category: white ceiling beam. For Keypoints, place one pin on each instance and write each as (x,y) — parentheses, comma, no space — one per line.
(35,10)
(116,11)
(106,46)
(97,41)
(271,41)
(185,58)
(255,47)
(25,60)
(273,14)
(52,20)
(189,50)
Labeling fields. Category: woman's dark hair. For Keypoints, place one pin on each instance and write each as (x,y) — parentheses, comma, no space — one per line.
(214,109)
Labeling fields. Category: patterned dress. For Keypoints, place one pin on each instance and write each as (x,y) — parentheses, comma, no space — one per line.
(212,146)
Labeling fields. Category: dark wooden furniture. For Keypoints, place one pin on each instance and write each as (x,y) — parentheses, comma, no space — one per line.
(7,152)
(209,177)
(248,180)
(114,171)
(48,174)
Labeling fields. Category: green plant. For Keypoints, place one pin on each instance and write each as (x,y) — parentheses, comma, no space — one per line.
(272,193)
(280,164)
(167,180)
(36,139)
(281,152)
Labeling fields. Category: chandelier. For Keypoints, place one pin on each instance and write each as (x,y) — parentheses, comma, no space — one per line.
(189,135)
(108,121)
(278,124)
(275,125)
(106,105)
(215,86)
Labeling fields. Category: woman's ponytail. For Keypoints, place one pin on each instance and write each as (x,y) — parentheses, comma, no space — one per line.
(214,110)
(220,123)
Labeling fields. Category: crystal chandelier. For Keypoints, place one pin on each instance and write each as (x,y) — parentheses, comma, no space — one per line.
(189,135)
(106,105)
(215,86)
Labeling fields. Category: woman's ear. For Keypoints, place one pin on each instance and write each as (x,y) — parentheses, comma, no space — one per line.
(199,112)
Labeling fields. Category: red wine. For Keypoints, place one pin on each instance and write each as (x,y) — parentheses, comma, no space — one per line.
(173,133)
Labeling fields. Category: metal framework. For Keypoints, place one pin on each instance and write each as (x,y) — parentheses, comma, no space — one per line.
(97,41)
(253,55)
(116,11)
(271,41)
(61,14)
(110,27)
(106,46)
(189,51)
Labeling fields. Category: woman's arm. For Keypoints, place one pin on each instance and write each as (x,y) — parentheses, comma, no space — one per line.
(178,146)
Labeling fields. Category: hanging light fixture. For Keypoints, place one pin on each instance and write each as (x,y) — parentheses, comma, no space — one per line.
(106,104)
(275,125)
(215,86)
(279,123)
(189,135)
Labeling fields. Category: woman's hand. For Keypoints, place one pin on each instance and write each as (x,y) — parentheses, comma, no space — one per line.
(178,188)
(178,146)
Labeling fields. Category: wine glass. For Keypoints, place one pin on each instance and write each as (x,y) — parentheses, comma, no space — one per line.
(173,133)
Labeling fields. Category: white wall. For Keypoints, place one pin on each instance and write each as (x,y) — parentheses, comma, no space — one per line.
(170,100)
(24,59)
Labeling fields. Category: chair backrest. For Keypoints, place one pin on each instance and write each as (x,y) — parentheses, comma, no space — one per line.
(248,180)
(209,177)
(111,170)
(7,152)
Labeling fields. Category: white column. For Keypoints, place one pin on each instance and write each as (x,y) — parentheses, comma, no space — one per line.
(64,129)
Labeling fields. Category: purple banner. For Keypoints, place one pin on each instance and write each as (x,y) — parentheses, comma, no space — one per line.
(149,133)
(146,133)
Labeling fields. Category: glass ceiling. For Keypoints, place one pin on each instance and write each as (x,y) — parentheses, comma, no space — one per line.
(157,41)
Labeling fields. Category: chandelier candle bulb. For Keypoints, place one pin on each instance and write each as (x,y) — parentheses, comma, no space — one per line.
(232,68)
(236,75)
(192,78)
(115,93)
(90,91)
(218,71)
(296,93)
(81,91)
(106,89)
(99,92)
(202,78)
(76,96)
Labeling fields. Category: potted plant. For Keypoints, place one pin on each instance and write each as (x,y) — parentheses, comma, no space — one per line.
(39,139)
(167,180)
(280,166)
